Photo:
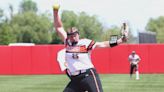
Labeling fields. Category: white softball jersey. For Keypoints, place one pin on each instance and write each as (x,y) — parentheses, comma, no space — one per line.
(134,59)
(78,57)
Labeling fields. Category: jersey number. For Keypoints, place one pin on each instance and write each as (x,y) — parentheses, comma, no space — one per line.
(75,56)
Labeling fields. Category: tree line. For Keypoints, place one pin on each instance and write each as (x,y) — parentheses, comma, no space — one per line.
(30,26)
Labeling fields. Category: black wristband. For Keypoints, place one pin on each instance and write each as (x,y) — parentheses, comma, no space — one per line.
(113,44)
(113,41)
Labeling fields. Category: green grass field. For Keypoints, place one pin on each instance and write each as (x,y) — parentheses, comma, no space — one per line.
(56,83)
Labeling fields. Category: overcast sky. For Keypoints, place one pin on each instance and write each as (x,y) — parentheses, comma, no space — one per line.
(110,12)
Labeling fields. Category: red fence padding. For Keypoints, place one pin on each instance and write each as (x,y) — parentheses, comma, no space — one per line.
(5,60)
(156,58)
(42,59)
(21,60)
(100,58)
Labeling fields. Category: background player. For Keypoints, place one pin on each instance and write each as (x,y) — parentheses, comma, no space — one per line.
(134,59)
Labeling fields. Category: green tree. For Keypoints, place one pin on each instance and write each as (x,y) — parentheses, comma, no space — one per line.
(6,35)
(28,5)
(1,15)
(88,26)
(69,19)
(32,28)
(157,25)
(26,26)
(55,38)
(11,10)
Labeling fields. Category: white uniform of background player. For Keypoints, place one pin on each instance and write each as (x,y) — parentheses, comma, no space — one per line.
(134,59)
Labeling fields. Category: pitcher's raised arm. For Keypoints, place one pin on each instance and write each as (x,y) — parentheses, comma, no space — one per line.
(58,23)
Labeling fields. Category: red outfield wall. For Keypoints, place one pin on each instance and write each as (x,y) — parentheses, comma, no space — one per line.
(42,59)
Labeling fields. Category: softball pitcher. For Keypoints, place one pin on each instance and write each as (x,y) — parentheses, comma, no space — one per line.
(79,67)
